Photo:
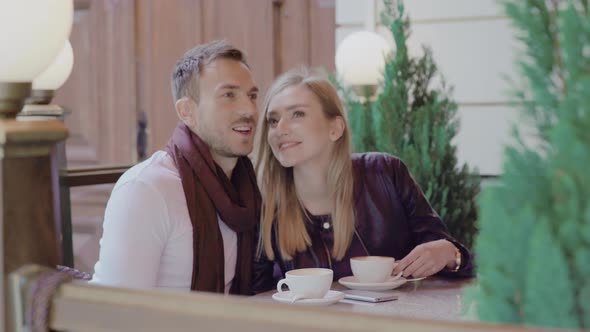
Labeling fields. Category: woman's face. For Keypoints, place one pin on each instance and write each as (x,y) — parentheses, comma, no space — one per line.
(299,133)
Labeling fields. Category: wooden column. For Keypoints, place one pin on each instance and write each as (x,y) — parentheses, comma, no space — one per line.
(27,215)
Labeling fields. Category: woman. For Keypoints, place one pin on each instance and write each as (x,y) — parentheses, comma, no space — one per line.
(323,205)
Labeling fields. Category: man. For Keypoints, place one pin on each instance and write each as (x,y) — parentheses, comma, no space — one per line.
(185,218)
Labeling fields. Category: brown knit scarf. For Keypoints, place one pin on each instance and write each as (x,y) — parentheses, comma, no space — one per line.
(209,192)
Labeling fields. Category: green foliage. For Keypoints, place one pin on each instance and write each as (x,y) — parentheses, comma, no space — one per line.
(417,123)
(359,117)
(533,248)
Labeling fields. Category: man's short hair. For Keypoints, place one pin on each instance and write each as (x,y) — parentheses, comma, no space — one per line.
(185,76)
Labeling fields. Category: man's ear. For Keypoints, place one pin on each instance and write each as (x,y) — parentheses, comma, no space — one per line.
(337,128)
(185,109)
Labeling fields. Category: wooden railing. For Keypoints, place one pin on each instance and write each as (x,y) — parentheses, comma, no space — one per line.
(77,177)
(81,307)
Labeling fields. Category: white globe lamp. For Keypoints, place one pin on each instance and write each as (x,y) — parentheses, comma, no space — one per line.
(360,60)
(53,77)
(32,33)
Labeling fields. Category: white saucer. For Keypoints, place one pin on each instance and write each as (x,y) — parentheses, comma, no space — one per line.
(391,283)
(416,279)
(330,298)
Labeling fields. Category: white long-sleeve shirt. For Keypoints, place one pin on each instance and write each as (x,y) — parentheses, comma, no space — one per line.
(147,236)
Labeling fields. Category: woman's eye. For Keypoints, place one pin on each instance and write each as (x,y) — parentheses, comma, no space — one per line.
(253,96)
(229,94)
(298,114)
(271,122)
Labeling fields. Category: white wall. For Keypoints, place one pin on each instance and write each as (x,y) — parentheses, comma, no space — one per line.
(474,47)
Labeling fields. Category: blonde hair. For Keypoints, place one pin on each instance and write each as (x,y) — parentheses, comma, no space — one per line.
(281,204)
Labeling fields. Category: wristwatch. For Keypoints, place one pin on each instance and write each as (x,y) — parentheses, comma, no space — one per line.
(457,260)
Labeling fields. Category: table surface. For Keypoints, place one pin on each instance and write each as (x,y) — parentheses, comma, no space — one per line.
(431,298)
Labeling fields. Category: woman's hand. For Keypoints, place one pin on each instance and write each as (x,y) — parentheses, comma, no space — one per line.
(427,259)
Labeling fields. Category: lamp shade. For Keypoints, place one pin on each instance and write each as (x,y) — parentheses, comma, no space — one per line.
(58,72)
(32,33)
(360,58)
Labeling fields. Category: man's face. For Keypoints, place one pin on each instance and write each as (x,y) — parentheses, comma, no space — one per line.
(226,113)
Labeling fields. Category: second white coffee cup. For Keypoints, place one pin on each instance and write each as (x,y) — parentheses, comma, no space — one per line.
(372,269)
(312,283)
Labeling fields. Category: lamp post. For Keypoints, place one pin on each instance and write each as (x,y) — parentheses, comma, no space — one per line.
(38,107)
(32,33)
(360,60)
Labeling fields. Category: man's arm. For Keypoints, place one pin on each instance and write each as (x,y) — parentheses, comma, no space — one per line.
(135,230)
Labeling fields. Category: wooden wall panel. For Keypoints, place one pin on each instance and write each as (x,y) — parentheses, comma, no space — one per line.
(248,25)
(115,25)
(78,95)
(165,31)
(100,93)
(294,34)
(307,34)
(322,26)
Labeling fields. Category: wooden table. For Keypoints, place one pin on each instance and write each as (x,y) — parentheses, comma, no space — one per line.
(431,298)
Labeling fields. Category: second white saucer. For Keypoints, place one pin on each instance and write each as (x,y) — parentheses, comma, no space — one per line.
(330,298)
(391,283)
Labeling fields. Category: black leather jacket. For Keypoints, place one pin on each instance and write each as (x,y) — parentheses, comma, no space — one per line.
(392,217)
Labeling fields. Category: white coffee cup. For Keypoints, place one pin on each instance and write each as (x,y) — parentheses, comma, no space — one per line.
(372,269)
(311,283)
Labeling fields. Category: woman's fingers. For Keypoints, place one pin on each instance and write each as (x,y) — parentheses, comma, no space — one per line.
(426,270)
(406,261)
(415,266)
(424,260)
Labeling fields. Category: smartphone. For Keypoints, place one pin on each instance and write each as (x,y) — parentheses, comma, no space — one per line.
(369,296)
